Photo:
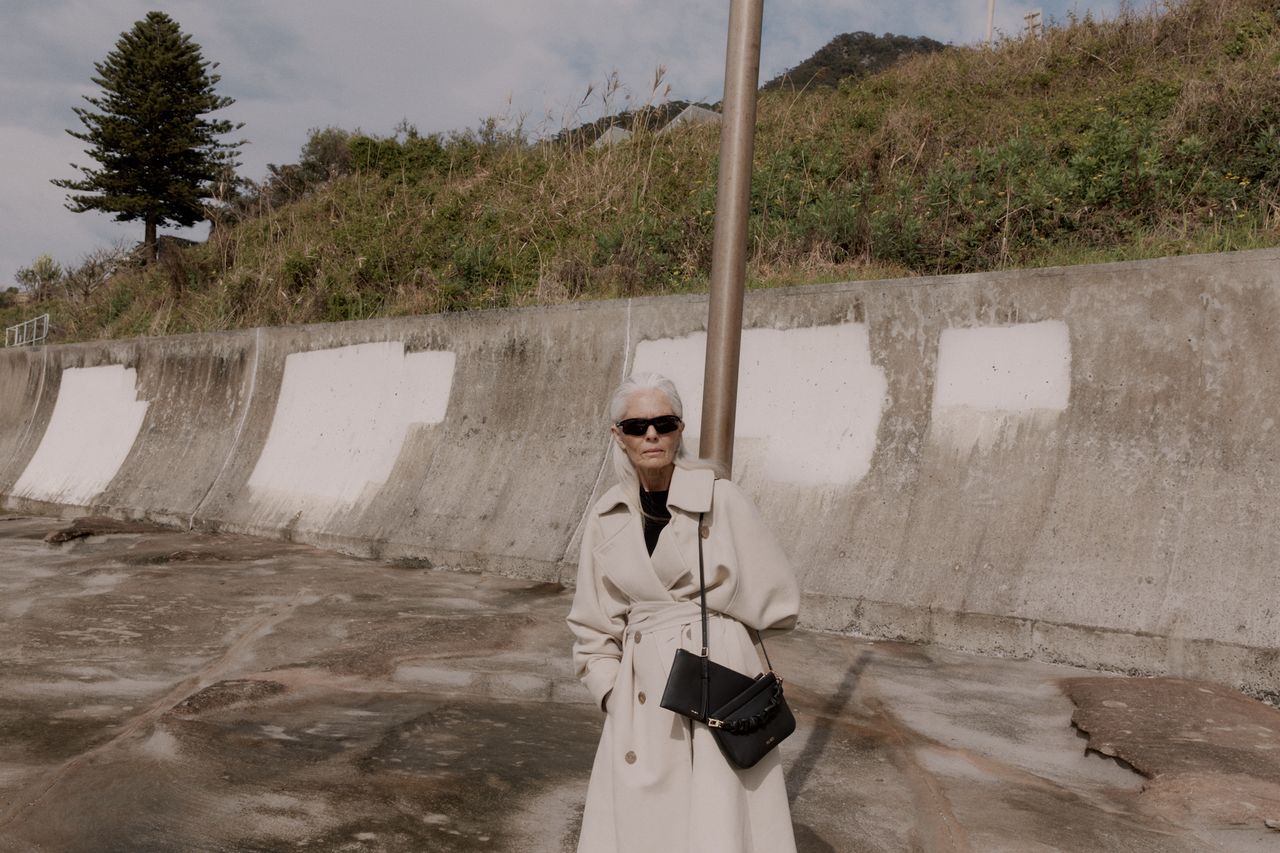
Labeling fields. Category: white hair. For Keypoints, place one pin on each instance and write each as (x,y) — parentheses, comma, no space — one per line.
(622,467)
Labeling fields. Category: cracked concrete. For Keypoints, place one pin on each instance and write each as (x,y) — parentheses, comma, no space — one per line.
(168,691)
(1204,748)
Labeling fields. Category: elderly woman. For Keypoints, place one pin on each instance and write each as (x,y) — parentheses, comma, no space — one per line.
(660,782)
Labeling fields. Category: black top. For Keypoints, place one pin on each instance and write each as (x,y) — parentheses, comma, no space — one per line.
(656,515)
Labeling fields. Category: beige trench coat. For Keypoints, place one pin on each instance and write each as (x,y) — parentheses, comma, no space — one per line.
(660,782)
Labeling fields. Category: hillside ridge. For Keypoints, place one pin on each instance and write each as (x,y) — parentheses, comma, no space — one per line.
(1147,135)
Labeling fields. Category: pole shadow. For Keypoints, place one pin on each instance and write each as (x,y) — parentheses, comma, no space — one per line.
(803,766)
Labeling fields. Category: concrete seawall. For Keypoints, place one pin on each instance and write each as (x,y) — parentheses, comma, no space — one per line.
(1073,464)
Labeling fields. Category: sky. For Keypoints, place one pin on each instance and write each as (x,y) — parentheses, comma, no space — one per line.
(440,65)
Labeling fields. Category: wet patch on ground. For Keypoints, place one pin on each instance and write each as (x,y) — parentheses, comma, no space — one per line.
(351,772)
(27,733)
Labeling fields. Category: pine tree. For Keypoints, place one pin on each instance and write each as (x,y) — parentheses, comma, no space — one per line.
(158,154)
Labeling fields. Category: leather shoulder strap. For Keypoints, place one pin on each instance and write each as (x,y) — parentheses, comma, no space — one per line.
(702,593)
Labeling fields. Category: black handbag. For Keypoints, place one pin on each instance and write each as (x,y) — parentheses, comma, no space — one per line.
(748,716)
(683,693)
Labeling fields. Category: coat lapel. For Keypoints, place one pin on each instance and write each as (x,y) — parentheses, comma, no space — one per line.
(622,555)
(690,495)
(622,552)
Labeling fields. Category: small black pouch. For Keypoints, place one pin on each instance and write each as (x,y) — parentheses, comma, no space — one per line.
(753,722)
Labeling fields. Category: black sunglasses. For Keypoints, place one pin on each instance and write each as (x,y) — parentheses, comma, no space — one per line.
(639,426)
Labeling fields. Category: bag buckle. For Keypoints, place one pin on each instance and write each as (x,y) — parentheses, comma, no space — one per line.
(713,723)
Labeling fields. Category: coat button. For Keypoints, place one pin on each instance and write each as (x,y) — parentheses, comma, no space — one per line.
(631,758)
(704,531)
(641,697)
(636,636)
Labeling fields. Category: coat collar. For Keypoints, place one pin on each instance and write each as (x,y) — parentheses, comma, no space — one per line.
(690,491)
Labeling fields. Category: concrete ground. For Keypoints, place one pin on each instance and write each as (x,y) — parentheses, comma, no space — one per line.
(167,691)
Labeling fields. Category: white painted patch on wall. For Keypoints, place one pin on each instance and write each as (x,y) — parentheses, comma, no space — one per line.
(340,421)
(809,400)
(95,421)
(991,380)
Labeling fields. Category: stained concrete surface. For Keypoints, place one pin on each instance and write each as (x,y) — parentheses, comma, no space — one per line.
(169,691)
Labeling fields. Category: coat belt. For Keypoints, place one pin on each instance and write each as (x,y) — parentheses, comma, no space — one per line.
(653,615)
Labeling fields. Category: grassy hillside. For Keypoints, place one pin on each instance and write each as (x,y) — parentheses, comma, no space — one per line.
(1149,135)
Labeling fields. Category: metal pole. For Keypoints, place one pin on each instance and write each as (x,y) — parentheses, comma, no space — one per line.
(991,19)
(729,251)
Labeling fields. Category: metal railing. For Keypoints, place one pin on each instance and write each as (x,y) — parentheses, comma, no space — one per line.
(32,331)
